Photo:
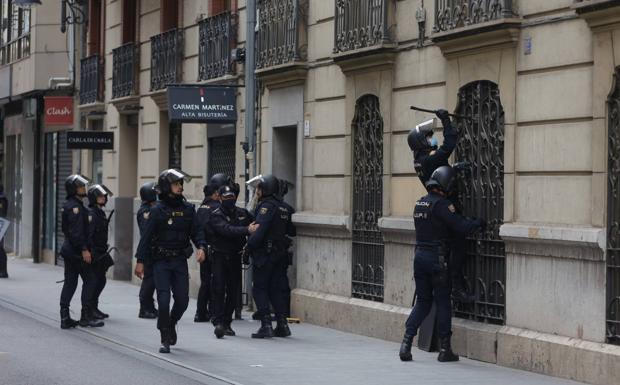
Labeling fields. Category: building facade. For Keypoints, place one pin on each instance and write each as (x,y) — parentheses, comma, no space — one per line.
(336,79)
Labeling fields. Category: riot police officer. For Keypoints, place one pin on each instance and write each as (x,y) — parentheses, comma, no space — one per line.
(76,255)
(166,244)
(268,246)
(435,219)
(290,232)
(429,157)
(148,196)
(209,204)
(98,224)
(230,225)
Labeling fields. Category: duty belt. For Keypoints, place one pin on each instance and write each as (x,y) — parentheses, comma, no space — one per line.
(161,252)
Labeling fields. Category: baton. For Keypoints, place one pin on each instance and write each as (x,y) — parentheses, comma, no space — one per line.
(435,111)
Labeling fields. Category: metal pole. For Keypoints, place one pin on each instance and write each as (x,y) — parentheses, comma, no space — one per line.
(250,91)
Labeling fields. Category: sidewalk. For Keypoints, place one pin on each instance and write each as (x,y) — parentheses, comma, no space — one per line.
(313,355)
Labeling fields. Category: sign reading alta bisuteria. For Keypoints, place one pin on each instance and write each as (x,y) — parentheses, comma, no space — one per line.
(196,104)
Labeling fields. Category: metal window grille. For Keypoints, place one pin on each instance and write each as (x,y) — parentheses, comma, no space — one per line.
(91,79)
(166,58)
(278,36)
(175,146)
(360,24)
(217,36)
(481,193)
(222,155)
(368,247)
(124,70)
(613,214)
(451,14)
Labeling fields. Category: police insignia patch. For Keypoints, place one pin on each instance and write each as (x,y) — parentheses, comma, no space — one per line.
(146,215)
(90,218)
(76,210)
(451,208)
(170,221)
(264,210)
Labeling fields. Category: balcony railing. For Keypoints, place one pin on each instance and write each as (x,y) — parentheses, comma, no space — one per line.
(91,80)
(166,58)
(217,36)
(124,70)
(281,32)
(451,14)
(360,24)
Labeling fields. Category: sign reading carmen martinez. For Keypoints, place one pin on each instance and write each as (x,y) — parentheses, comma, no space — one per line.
(196,104)
(90,140)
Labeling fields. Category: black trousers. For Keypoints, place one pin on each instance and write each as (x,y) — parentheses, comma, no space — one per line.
(75,268)
(225,286)
(270,286)
(99,273)
(204,292)
(3,257)
(458,256)
(171,275)
(147,289)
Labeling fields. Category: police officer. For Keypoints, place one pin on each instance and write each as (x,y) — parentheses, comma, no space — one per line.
(98,224)
(77,257)
(268,246)
(429,157)
(435,219)
(166,244)
(230,225)
(209,204)
(148,195)
(4,208)
(290,232)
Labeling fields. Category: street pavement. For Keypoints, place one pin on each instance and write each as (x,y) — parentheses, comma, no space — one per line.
(34,350)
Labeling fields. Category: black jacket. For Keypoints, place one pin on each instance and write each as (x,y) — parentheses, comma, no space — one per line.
(74,227)
(97,231)
(229,229)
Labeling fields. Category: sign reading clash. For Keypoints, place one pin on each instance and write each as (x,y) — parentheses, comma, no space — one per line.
(90,140)
(196,104)
(58,111)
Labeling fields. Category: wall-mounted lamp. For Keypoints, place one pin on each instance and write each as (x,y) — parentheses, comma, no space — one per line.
(75,15)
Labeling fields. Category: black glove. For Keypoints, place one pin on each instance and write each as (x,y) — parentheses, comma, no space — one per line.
(481,223)
(442,114)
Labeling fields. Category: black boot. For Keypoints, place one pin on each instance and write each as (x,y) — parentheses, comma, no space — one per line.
(405,348)
(282,329)
(147,314)
(266,329)
(219,331)
(202,317)
(173,332)
(165,341)
(88,319)
(65,319)
(98,314)
(229,331)
(4,274)
(446,354)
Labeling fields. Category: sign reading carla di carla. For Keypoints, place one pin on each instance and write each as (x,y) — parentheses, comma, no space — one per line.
(200,104)
(90,140)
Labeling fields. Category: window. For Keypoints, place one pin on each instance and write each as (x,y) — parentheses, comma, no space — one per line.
(14,32)
(175,146)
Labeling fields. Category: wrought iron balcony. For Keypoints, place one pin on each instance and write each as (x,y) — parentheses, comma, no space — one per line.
(217,36)
(166,58)
(281,36)
(91,80)
(452,14)
(362,23)
(124,70)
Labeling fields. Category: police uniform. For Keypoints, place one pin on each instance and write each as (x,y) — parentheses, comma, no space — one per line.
(147,287)
(98,246)
(268,246)
(436,220)
(230,228)
(75,230)
(291,231)
(203,311)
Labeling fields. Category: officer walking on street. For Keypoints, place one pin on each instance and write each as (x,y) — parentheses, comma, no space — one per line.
(268,246)
(74,251)
(230,225)
(428,158)
(435,219)
(98,224)
(210,203)
(166,244)
(148,195)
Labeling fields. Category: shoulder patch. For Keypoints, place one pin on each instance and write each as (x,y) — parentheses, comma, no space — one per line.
(451,208)
(76,210)
(264,210)
(146,215)
(90,218)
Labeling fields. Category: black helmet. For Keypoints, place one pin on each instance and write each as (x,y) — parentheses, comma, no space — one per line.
(96,191)
(218,180)
(168,177)
(73,182)
(443,179)
(418,137)
(148,193)
(269,185)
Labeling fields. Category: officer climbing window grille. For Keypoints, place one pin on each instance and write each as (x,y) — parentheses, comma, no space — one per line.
(175,146)
(481,195)
(613,214)
(222,155)
(368,248)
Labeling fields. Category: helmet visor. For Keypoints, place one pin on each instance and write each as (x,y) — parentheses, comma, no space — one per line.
(80,180)
(173,176)
(102,190)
